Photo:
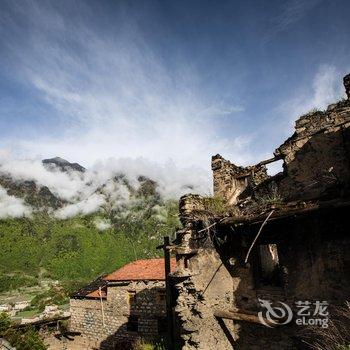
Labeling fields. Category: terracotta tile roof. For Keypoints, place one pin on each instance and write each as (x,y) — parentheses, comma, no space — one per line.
(90,288)
(96,294)
(148,269)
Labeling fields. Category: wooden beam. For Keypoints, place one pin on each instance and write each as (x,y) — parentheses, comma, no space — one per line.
(169,302)
(239,316)
(271,160)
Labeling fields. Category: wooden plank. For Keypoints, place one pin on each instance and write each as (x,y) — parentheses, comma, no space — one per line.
(238,316)
(271,160)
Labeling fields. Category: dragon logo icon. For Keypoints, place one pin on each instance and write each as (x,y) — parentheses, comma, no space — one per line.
(274,315)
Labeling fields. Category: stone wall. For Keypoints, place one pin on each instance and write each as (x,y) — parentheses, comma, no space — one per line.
(314,260)
(108,328)
(207,287)
(346,81)
(317,156)
(230,180)
(316,162)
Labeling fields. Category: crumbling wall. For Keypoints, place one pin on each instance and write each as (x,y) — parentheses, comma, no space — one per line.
(206,288)
(231,180)
(211,250)
(313,256)
(201,281)
(316,162)
(346,82)
(211,279)
(315,253)
(317,157)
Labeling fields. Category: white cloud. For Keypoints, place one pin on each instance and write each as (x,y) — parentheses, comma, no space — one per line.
(64,185)
(326,88)
(99,186)
(102,224)
(85,207)
(161,213)
(173,178)
(172,181)
(115,96)
(11,206)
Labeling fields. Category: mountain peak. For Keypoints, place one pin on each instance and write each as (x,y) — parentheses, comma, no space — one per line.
(63,164)
(56,160)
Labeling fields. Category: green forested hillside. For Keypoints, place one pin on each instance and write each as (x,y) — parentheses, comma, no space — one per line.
(75,250)
(62,226)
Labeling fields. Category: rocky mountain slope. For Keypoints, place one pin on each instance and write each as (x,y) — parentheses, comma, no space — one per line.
(117,189)
(62,164)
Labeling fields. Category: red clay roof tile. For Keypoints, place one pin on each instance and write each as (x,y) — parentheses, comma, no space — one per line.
(147,269)
(96,294)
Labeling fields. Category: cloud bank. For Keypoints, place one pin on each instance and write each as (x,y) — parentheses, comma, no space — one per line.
(12,207)
(100,187)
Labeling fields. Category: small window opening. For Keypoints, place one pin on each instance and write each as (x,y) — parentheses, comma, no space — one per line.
(269,268)
(132,297)
(133,324)
(186,263)
(161,297)
(275,167)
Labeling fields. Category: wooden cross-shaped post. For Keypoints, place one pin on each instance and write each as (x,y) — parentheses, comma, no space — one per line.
(169,308)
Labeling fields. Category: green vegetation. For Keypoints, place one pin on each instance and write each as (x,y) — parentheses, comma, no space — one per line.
(55,295)
(24,339)
(28,313)
(212,206)
(5,323)
(16,280)
(141,345)
(314,110)
(269,199)
(75,251)
(216,205)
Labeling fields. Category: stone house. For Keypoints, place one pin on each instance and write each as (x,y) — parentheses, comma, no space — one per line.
(279,241)
(117,309)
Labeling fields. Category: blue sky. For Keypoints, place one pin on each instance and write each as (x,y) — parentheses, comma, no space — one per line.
(168,81)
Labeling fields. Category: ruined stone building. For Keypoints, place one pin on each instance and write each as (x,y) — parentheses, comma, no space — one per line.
(121,307)
(282,238)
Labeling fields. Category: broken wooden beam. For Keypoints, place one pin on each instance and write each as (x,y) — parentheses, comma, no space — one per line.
(239,316)
(270,160)
(285,212)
